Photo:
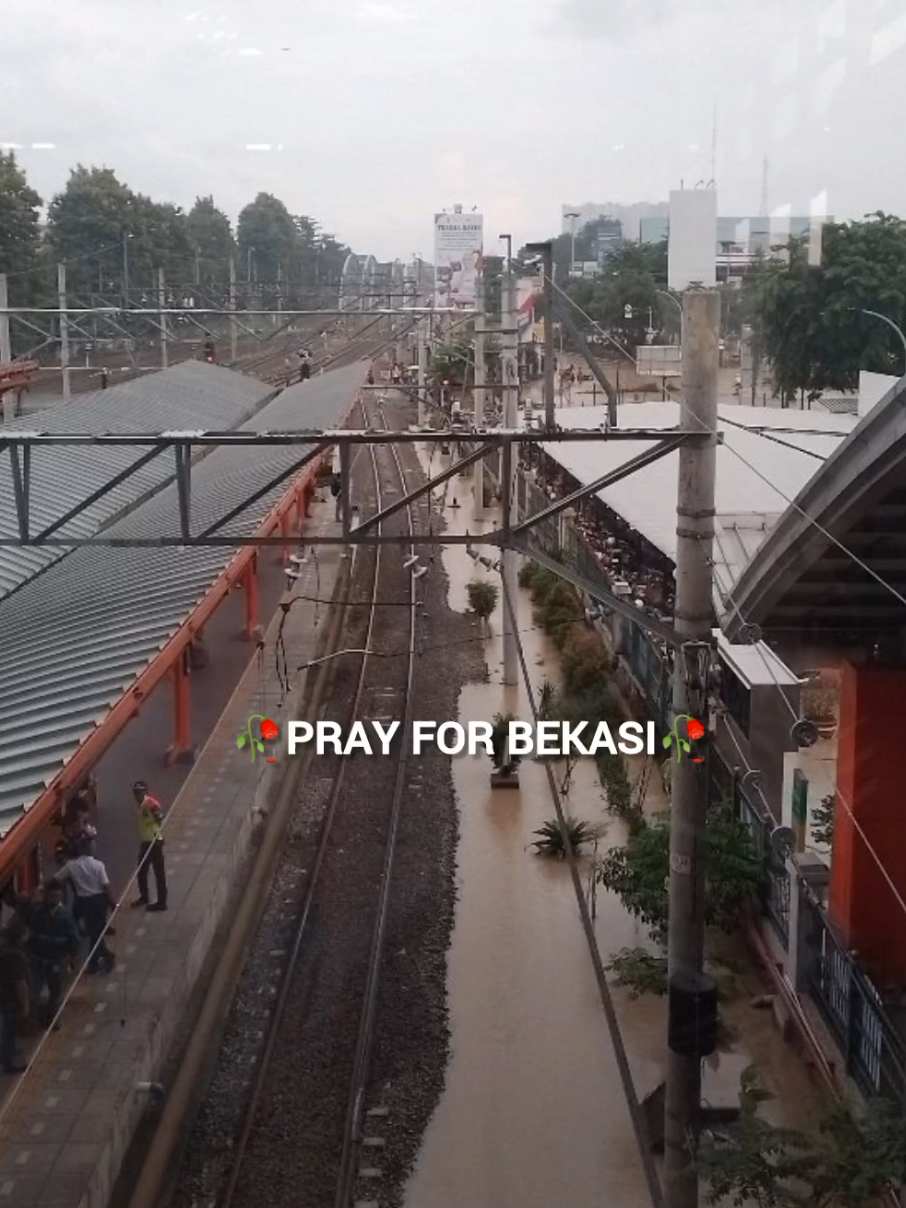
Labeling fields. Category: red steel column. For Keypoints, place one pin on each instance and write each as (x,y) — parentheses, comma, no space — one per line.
(250,583)
(869,819)
(181,751)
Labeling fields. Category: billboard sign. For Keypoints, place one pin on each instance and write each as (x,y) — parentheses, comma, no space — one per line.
(457,259)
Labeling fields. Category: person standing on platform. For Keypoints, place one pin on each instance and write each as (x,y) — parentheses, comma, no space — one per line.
(53,944)
(13,993)
(151,848)
(93,902)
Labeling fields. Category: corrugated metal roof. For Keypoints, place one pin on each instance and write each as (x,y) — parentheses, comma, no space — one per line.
(191,395)
(73,641)
(747,503)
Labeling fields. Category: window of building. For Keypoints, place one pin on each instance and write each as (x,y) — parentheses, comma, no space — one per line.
(737,698)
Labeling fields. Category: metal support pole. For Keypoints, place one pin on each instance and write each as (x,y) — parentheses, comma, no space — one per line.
(64,329)
(689,780)
(422,371)
(6,353)
(510,387)
(234,335)
(162,302)
(345,473)
(547,315)
(479,393)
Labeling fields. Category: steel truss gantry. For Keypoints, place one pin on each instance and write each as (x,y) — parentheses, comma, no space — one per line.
(23,447)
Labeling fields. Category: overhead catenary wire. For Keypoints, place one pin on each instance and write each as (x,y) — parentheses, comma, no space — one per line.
(764,478)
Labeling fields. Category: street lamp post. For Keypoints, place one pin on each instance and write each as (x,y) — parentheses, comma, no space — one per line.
(573,217)
(890,323)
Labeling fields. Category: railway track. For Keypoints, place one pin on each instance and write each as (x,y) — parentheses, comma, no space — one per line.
(303,1140)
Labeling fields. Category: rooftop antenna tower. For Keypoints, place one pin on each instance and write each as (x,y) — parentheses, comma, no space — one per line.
(764,188)
(714,148)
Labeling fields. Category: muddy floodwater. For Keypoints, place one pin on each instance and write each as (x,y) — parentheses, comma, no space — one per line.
(533,1114)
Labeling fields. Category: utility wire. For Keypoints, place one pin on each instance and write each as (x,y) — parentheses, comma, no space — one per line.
(791,502)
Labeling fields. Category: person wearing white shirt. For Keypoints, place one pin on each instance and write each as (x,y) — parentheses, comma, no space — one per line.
(93,900)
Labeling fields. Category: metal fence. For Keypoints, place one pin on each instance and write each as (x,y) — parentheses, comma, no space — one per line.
(776,897)
(874,1050)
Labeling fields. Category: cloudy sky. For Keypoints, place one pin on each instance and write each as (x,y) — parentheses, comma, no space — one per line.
(376,113)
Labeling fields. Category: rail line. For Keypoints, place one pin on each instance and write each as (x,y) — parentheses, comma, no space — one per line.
(322,1023)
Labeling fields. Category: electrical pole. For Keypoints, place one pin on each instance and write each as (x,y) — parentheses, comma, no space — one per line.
(233,329)
(509,357)
(480,390)
(422,370)
(689,780)
(547,310)
(162,303)
(6,352)
(64,329)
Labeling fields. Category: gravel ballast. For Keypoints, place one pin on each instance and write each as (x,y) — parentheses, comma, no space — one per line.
(293,1151)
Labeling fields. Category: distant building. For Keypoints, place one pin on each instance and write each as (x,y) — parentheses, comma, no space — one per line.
(610,240)
(739,240)
(629,216)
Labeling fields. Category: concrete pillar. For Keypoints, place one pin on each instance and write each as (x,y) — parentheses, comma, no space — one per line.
(868,870)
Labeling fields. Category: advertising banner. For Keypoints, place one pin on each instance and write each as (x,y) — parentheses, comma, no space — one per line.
(457,259)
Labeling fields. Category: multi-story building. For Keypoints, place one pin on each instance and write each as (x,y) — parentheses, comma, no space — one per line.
(739,240)
(629,216)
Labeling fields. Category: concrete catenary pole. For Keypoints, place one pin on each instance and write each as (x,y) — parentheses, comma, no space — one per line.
(64,330)
(6,351)
(422,371)
(509,362)
(479,393)
(547,317)
(234,331)
(162,303)
(689,780)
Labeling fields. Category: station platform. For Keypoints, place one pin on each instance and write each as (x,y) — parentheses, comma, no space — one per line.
(66,1123)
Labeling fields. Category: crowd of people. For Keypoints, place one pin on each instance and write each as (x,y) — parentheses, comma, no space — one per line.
(68,920)
(619,554)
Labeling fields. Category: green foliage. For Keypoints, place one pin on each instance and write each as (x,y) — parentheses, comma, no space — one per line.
(632,277)
(642,972)
(823,816)
(638,872)
(212,239)
(808,318)
(103,229)
(482,596)
(586,663)
(499,735)
(550,841)
(848,1162)
(452,362)
(615,782)
(19,217)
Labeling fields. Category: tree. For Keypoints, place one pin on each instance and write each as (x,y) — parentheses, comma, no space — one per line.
(482,598)
(638,872)
(19,227)
(632,276)
(211,235)
(20,245)
(845,1161)
(268,239)
(86,227)
(808,318)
